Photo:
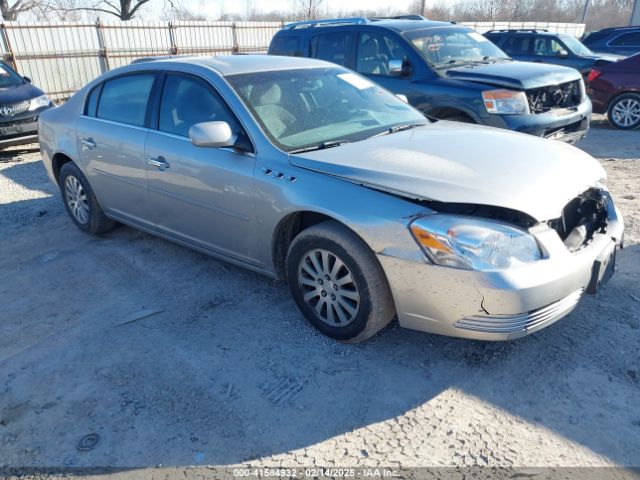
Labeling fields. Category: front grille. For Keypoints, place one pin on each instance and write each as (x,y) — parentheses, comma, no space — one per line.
(12,109)
(22,121)
(544,99)
(581,218)
(521,322)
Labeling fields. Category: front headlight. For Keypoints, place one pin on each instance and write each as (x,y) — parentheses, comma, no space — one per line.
(473,244)
(41,101)
(506,102)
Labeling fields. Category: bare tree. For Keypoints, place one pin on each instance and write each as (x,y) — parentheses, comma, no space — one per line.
(10,11)
(123,9)
(310,8)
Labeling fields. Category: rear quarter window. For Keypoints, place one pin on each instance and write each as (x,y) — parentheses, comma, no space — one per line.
(287,45)
(627,40)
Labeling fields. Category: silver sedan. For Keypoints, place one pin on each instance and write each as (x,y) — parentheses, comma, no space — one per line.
(307,172)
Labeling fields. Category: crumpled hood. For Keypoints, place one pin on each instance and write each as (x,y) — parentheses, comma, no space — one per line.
(461,163)
(518,75)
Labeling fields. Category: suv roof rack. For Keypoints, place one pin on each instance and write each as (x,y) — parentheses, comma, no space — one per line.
(507,30)
(348,21)
(327,22)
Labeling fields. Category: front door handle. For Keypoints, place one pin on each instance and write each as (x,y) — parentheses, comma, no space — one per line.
(88,143)
(159,162)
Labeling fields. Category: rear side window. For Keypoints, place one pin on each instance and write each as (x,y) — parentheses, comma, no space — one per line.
(286,45)
(124,99)
(627,40)
(516,45)
(332,47)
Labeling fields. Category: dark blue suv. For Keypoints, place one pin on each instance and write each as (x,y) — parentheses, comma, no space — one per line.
(449,72)
(620,40)
(549,47)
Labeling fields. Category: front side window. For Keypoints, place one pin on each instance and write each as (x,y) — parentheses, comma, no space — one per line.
(187,101)
(124,99)
(332,47)
(310,107)
(545,46)
(453,46)
(374,52)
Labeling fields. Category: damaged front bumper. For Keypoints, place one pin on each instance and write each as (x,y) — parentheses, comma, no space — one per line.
(501,304)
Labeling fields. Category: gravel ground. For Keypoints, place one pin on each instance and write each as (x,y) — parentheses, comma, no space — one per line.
(174,358)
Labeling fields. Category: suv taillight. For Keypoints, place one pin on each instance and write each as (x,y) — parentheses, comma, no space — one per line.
(593,74)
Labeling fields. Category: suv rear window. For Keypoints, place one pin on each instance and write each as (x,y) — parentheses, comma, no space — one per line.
(628,39)
(332,47)
(286,45)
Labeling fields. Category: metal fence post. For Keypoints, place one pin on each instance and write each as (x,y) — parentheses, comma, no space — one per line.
(236,48)
(102,52)
(5,38)
(173,49)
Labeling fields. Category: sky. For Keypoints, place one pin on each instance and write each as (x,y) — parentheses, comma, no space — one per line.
(213,8)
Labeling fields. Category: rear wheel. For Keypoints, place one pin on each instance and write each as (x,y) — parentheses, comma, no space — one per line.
(80,202)
(338,283)
(624,111)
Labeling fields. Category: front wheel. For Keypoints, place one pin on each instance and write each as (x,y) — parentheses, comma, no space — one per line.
(80,202)
(338,283)
(624,111)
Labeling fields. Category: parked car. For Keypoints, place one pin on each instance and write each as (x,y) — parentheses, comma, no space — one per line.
(303,170)
(448,71)
(548,47)
(615,90)
(20,104)
(620,40)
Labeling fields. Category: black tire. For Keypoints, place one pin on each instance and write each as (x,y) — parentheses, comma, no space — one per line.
(96,221)
(375,308)
(634,98)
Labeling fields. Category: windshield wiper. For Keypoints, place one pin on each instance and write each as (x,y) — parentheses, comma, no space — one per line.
(399,128)
(319,146)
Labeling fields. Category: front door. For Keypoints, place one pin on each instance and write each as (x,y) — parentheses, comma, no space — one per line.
(200,195)
(111,137)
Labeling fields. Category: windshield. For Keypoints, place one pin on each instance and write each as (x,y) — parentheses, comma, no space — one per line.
(9,78)
(575,45)
(454,45)
(314,107)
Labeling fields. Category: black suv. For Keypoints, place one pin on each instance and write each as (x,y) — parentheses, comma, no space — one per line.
(20,105)
(549,47)
(619,40)
(449,72)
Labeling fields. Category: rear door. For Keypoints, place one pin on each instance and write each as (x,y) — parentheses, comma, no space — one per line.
(199,195)
(335,47)
(518,47)
(111,135)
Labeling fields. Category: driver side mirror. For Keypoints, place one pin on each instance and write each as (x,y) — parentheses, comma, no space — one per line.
(27,79)
(211,134)
(562,53)
(395,66)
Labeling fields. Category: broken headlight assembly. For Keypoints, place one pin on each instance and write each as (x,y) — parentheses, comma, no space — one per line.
(473,244)
(506,102)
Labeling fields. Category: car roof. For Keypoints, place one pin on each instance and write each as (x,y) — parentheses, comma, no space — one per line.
(392,24)
(236,64)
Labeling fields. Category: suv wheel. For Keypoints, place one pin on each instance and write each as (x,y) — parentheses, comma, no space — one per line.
(624,111)
(80,202)
(338,283)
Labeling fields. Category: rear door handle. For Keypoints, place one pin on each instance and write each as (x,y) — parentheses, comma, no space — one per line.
(88,143)
(159,162)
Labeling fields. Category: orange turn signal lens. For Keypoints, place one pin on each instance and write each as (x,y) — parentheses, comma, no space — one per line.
(428,240)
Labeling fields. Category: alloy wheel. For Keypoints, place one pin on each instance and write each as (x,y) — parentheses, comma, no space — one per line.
(626,112)
(328,287)
(76,199)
